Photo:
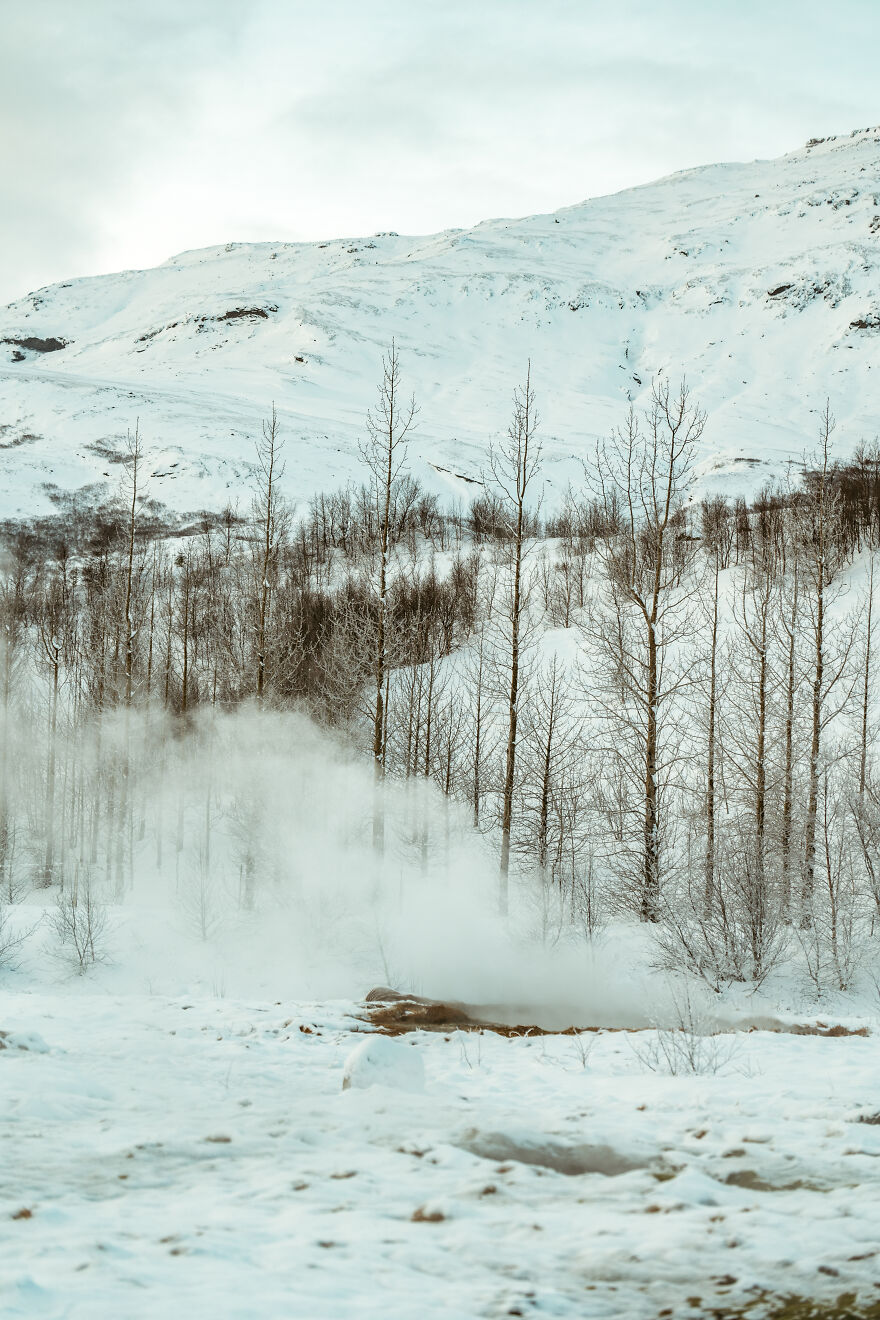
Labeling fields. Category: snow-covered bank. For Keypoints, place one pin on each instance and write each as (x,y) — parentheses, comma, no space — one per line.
(199,1158)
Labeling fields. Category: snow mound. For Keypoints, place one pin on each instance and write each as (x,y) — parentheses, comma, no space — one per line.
(381,1061)
(29,1041)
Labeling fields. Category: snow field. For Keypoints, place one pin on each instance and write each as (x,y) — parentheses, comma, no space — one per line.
(199,1158)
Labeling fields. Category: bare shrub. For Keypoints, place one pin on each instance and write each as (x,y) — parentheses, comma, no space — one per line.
(691,1047)
(11,939)
(584,1043)
(199,898)
(79,922)
(834,925)
(737,933)
(12,881)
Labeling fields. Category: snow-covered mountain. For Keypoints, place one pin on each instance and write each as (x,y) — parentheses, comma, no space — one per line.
(760,282)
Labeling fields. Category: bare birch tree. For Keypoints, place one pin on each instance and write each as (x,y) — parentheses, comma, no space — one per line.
(270,518)
(389,425)
(830,639)
(514,465)
(642,478)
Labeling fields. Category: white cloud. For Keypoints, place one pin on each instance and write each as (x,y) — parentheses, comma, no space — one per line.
(134,131)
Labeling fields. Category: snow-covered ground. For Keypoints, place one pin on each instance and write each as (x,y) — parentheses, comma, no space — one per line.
(191,1157)
(757,281)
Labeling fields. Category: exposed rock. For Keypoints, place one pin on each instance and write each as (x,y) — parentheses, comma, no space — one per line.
(36,345)
(237,313)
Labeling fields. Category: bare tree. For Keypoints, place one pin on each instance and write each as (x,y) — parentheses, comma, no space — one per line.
(830,642)
(551,744)
(831,935)
(13,600)
(553,824)
(384,452)
(514,464)
(642,478)
(53,632)
(711,720)
(270,517)
(787,622)
(867,679)
(133,459)
(750,695)
(482,730)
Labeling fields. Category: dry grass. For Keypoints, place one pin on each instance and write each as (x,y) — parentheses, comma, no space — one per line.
(845,1307)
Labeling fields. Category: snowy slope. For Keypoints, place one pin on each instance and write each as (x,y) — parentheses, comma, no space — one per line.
(760,281)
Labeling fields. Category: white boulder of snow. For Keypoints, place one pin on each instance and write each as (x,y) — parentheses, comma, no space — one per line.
(29,1041)
(384,1061)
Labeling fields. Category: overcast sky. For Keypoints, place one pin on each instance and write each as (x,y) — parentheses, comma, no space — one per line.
(134,129)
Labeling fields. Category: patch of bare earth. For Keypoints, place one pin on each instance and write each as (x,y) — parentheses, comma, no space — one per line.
(395,1014)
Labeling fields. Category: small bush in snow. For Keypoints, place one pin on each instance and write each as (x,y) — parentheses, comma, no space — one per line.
(200,898)
(690,1047)
(12,937)
(584,1043)
(79,922)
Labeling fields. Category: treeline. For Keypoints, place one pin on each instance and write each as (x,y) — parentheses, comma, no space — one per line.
(658,707)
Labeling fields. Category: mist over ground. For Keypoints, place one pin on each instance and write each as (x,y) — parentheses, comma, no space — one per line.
(253,873)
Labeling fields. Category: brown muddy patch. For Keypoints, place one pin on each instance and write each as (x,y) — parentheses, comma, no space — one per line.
(571,1159)
(395,1014)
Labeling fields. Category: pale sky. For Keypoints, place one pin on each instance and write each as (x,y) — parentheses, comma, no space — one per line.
(134,129)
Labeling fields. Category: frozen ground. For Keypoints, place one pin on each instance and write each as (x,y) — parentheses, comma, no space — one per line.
(181,1157)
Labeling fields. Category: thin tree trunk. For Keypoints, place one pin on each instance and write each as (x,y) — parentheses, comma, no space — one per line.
(788,771)
(709,864)
(651,873)
(866,687)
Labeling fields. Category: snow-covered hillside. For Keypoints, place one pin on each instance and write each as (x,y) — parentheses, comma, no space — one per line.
(759,281)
